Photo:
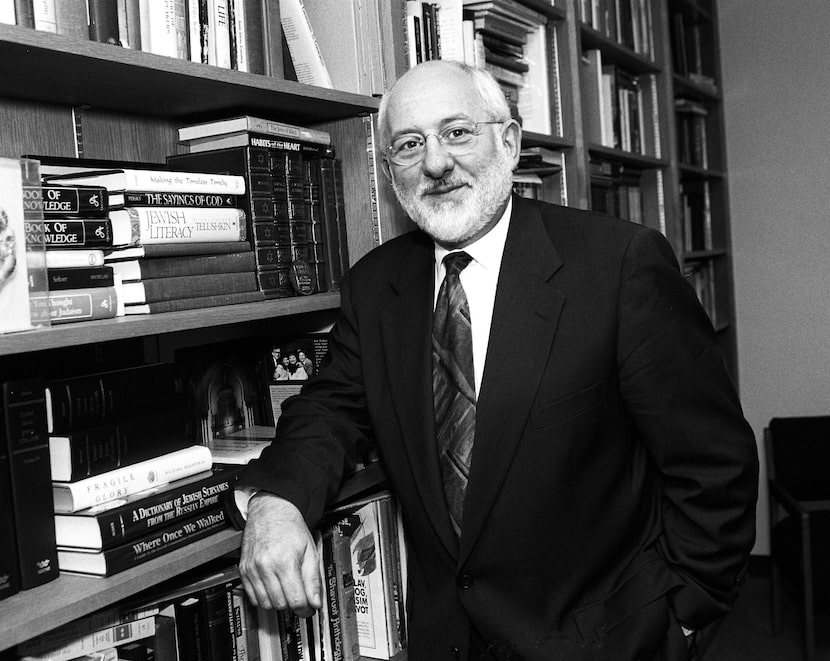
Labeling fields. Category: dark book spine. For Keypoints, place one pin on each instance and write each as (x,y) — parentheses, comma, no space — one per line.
(100,449)
(72,233)
(103,21)
(240,262)
(328,198)
(156,250)
(80,277)
(160,542)
(75,201)
(332,596)
(24,13)
(188,613)
(138,199)
(27,441)
(342,234)
(152,512)
(85,401)
(199,302)
(216,622)
(82,304)
(9,567)
(188,286)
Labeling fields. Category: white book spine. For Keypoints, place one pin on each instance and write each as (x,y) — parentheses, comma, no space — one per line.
(132,479)
(146,225)
(7,12)
(44,13)
(219,53)
(75,257)
(240,30)
(305,52)
(158,27)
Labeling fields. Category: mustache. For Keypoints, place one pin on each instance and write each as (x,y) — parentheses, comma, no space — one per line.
(442,185)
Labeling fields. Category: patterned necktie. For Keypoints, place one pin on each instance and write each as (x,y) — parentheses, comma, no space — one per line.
(453,384)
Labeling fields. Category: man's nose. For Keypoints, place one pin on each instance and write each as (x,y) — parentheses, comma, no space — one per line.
(437,160)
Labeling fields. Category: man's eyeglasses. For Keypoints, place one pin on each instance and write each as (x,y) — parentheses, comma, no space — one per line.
(458,138)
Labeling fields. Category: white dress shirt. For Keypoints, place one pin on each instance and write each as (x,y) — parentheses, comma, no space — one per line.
(479,279)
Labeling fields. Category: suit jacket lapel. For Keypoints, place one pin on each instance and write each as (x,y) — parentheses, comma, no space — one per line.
(407,345)
(525,316)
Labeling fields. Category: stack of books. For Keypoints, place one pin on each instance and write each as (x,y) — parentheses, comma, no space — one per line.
(170,229)
(120,444)
(295,196)
(78,229)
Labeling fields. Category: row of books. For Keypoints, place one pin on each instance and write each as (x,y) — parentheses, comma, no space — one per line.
(508,38)
(265,219)
(628,22)
(691,40)
(615,190)
(614,107)
(234,34)
(692,141)
(205,613)
(101,471)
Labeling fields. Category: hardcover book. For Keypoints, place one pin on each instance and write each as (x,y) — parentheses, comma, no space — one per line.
(178,224)
(255,139)
(24,431)
(74,201)
(127,555)
(84,304)
(122,482)
(9,567)
(164,181)
(119,521)
(80,277)
(84,401)
(190,265)
(187,286)
(99,449)
(195,303)
(156,250)
(85,232)
(247,123)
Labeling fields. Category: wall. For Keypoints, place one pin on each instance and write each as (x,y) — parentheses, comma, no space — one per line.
(776,86)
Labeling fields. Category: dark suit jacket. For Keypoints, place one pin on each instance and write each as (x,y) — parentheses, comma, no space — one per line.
(614,477)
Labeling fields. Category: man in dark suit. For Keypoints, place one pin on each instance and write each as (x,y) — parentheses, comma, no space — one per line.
(606,508)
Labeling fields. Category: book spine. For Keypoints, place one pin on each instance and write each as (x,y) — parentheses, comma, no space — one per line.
(71,18)
(78,232)
(9,567)
(182,224)
(240,262)
(85,304)
(119,634)
(83,494)
(158,27)
(159,250)
(80,277)
(332,603)
(196,303)
(261,140)
(154,511)
(84,401)
(44,15)
(188,615)
(243,627)
(24,12)
(303,47)
(57,258)
(331,222)
(274,44)
(103,448)
(103,21)
(188,286)
(24,407)
(161,542)
(216,621)
(139,199)
(74,201)
(129,24)
(346,590)
(220,48)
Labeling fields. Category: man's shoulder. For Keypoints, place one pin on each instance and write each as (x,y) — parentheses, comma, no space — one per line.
(394,251)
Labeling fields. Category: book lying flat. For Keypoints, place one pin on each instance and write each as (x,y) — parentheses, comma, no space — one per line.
(129,179)
(254,125)
(128,518)
(127,555)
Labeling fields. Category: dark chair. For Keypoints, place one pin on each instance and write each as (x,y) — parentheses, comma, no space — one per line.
(798,468)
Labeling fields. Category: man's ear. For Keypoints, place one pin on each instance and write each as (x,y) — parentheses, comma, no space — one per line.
(384,167)
(512,139)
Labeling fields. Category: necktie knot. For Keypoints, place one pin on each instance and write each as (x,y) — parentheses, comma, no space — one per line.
(455,262)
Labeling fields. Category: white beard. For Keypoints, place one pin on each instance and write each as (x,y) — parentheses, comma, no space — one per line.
(452,222)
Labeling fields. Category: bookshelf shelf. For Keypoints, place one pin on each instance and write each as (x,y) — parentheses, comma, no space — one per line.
(684,86)
(46,67)
(75,334)
(33,612)
(636,161)
(615,53)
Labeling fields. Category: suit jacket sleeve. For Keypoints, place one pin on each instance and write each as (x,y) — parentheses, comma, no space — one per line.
(322,432)
(686,411)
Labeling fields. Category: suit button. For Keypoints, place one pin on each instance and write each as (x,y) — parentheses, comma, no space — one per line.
(465,581)
(456,653)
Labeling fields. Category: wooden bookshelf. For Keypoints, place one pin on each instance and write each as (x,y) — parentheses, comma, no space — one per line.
(60,95)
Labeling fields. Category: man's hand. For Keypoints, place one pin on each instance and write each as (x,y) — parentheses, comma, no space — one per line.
(279,562)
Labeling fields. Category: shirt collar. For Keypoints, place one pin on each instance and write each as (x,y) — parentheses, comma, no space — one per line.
(486,251)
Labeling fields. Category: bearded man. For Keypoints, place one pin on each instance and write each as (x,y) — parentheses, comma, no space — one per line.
(597,503)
